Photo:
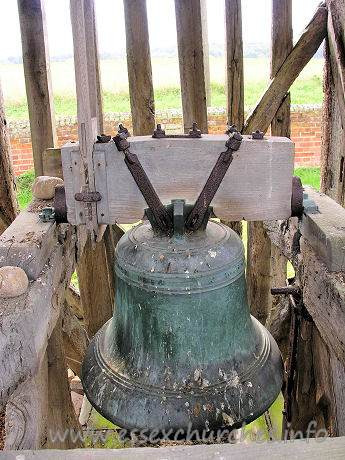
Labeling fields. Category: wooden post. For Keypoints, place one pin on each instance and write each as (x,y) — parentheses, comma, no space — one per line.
(92,266)
(61,415)
(265,264)
(8,198)
(190,41)
(333,139)
(139,67)
(234,73)
(95,289)
(234,63)
(37,78)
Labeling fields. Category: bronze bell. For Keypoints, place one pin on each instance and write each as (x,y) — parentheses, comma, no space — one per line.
(182,347)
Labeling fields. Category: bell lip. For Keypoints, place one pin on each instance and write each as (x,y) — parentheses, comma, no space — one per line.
(98,372)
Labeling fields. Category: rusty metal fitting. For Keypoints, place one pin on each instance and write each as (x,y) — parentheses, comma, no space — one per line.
(234,141)
(257,134)
(286,290)
(60,205)
(231,129)
(103,139)
(296,197)
(121,142)
(159,132)
(123,130)
(194,132)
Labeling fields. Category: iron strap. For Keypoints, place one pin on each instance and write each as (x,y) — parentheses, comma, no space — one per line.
(159,212)
(197,214)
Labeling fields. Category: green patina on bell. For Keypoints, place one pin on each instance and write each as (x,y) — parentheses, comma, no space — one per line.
(182,347)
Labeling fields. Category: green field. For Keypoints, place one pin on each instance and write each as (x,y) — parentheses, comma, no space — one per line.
(306,90)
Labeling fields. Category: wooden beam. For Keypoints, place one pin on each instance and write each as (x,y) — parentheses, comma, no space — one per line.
(307,45)
(328,449)
(8,199)
(75,339)
(86,87)
(335,29)
(95,287)
(190,41)
(37,78)
(333,135)
(27,323)
(234,63)
(182,171)
(27,412)
(139,67)
(265,264)
(61,415)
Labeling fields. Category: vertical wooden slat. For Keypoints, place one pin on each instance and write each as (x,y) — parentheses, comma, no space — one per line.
(234,63)
(265,264)
(92,267)
(281,45)
(37,78)
(139,67)
(206,51)
(189,26)
(234,86)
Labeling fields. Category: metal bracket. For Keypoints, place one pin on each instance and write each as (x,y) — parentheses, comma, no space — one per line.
(47,214)
(159,133)
(196,216)
(88,197)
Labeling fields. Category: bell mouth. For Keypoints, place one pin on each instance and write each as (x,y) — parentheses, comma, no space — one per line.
(127,402)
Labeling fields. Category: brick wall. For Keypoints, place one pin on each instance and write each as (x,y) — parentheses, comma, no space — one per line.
(305,132)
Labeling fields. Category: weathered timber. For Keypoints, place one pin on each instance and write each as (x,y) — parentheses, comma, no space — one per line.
(323,291)
(234,63)
(329,449)
(86,84)
(27,412)
(61,415)
(234,74)
(51,163)
(73,300)
(324,230)
(258,277)
(333,134)
(319,377)
(8,199)
(37,78)
(266,266)
(28,320)
(111,237)
(75,339)
(307,45)
(94,286)
(335,35)
(190,40)
(179,169)
(139,67)
(28,242)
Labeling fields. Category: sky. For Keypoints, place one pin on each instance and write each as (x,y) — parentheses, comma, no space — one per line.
(162,29)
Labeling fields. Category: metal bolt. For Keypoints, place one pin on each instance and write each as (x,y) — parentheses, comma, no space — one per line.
(47,214)
(103,139)
(286,290)
(258,134)
(159,132)
(123,130)
(195,132)
(231,129)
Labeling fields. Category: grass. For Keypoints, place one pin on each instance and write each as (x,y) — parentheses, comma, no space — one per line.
(306,90)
